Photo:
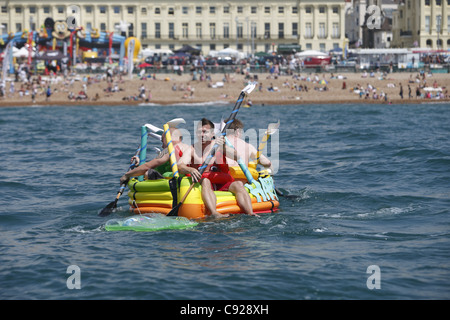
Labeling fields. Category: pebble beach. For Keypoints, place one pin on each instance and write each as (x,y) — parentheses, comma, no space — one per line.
(171,88)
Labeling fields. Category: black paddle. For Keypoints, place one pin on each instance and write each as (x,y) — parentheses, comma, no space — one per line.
(112,205)
(249,88)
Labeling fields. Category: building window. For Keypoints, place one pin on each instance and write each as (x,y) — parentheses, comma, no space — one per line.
(157,30)
(280,30)
(212,47)
(102,9)
(171,11)
(144,11)
(239,30)
(266,30)
(18,27)
(5,9)
(130,10)
(171,30)
(335,10)
(226,30)
(157,10)
(322,47)
(427,24)
(103,27)
(144,30)
(212,10)
(281,10)
(240,9)
(198,10)
(60,10)
(266,9)
(88,9)
(321,9)
(427,3)
(198,30)
(226,9)
(438,2)
(185,10)
(212,30)
(131,30)
(294,10)
(336,30)
(322,30)
(308,30)
(253,31)
(295,29)
(308,9)
(18,10)
(253,10)
(185,29)
(32,10)
(116,10)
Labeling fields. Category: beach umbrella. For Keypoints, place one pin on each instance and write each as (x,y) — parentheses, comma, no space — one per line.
(22,53)
(188,49)
(323,82)
(262,54)
(144,65)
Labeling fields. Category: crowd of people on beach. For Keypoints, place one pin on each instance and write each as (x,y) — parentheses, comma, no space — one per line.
(374,85)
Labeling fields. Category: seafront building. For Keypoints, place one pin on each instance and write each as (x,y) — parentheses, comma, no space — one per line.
(357,14)
(248,26)
(422,24)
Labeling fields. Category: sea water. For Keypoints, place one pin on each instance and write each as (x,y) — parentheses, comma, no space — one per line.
(365,211)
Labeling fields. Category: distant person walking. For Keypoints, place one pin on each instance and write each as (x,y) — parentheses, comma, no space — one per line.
(401,91)
(49,93)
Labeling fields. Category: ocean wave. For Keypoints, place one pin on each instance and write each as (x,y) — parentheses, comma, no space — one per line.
(204,104)
(386,212)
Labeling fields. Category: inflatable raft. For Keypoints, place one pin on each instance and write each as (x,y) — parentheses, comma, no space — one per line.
(160,196)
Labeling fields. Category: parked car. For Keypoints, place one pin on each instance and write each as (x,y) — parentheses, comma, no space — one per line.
(317,60)
(352,61)
(225,61)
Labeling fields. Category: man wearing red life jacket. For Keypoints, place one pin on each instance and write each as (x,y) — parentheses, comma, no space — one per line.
(195,157)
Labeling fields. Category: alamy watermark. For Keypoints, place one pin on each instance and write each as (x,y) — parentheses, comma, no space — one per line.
(74,280)
(73,16)
(374,280)
(374,19)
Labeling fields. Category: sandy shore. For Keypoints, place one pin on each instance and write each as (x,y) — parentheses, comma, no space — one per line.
(160,90)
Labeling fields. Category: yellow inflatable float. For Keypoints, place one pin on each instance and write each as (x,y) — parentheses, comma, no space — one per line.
(160,196)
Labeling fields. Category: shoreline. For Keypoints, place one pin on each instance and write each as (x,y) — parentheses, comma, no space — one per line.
(256,103)
(172,89)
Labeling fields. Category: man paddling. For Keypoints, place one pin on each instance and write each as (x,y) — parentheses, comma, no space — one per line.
(154,169)
(245,150)
(193,158)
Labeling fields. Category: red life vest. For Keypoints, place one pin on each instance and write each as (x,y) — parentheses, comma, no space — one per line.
(218,173)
